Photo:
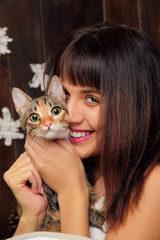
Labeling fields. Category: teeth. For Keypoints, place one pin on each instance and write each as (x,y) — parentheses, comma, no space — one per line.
(79,134)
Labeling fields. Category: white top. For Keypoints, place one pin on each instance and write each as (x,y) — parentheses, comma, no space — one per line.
(48,236)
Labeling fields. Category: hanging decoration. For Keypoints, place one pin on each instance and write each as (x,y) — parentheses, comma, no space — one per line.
(9,128)
(4,40)
(37,80)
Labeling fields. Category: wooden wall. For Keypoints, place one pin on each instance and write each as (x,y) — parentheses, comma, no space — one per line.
(36,26)
(142,14)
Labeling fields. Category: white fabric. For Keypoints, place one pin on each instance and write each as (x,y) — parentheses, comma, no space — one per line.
(42,238)
(97,234)
(48,236)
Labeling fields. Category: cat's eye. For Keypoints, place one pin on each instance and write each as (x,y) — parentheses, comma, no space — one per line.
(56,111)
(34,117)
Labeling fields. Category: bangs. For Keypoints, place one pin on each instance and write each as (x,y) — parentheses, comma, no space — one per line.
(81,64)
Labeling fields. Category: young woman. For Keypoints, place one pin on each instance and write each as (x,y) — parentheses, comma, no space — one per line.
(111,78)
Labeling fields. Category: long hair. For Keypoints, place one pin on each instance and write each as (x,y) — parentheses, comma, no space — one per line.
(124,65)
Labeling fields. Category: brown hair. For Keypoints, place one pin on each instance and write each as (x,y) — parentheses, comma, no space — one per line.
(125,65)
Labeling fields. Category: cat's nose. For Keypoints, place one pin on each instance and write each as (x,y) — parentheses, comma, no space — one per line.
(48,124)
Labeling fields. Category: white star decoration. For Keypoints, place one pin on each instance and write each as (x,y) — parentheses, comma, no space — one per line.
(9,129)
(37,80)
(4,40)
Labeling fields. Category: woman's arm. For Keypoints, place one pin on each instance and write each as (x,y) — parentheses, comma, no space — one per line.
(61,168)
(143,222)
(32,200)
(74,212)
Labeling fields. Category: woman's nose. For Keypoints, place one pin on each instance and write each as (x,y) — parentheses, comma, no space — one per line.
(75,111)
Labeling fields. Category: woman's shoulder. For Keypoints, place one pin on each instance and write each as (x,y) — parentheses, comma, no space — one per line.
(152,182)
(151,191)
(142,221)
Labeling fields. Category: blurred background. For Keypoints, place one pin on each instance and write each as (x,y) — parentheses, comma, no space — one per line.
(29,29)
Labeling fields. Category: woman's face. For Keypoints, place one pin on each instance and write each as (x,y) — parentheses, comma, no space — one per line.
(84,114)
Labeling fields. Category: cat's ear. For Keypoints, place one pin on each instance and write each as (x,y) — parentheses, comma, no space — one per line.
(20,100)
(55,88)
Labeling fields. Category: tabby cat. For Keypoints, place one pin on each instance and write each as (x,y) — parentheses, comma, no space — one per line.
(47,117)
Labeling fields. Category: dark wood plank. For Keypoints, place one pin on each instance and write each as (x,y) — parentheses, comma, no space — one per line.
(142,14)
(61,17)
(122,12)
(22,19)
(7,200)
(154,20)
(145,23)
(6,153)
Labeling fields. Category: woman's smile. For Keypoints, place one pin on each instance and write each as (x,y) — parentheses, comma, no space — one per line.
(78,136)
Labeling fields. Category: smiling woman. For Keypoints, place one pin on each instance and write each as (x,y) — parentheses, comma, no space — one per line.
(111,78)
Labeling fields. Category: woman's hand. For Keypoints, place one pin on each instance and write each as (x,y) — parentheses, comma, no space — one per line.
(58,164)
(32,199)
(62,170)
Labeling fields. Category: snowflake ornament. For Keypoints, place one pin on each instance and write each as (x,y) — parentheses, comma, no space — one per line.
(4,40)
(37,80)
(9,129)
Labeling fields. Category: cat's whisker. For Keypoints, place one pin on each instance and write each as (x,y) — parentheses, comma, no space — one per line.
(36,138)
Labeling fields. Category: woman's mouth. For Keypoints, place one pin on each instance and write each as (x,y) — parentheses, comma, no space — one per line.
(77,136)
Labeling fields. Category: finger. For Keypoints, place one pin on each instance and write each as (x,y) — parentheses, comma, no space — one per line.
(39,181)
(43,143)
(23,155)
(23,166)
(32,170)
(40,148)
(30,150)
(65,145)
(34,141)
(19,179)
(23,160)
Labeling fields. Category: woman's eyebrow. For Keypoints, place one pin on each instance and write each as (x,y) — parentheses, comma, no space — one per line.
(90,91)
(82,91)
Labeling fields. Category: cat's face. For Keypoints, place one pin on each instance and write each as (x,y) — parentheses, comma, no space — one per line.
(46,116)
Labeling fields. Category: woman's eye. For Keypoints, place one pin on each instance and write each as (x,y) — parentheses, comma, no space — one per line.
(91,100)
(34,117)
(56,111)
